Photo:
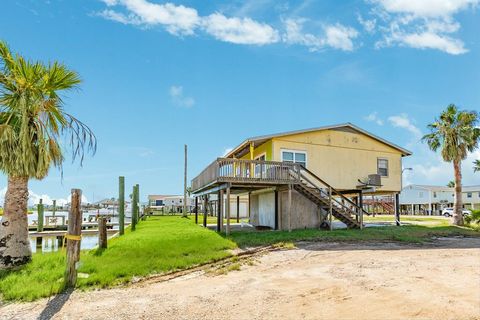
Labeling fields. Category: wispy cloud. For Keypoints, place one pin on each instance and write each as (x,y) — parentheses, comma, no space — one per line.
(239,30)
(404,122)
(373,117)
(185,21)
(226,151)
(179,99)
(336,36)
(427,24)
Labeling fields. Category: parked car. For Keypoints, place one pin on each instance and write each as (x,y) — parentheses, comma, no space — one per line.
(448,212)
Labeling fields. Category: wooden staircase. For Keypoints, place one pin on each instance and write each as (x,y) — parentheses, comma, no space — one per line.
(325,196)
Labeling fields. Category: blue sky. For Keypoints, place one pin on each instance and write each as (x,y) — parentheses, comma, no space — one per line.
(157,75)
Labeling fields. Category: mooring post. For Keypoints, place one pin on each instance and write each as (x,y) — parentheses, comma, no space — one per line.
(102,233)
(40,216)
(73,237)
(54,207)
(121,205)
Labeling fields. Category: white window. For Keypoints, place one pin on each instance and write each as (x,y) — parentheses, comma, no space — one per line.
(469,194)
(295,157)
(382,167)
(420,194)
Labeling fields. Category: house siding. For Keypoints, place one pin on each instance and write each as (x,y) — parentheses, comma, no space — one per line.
(342,157)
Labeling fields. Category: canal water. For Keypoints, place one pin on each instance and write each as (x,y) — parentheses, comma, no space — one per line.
(89,241)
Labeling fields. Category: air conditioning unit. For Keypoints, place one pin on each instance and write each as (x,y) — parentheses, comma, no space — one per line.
(374,180)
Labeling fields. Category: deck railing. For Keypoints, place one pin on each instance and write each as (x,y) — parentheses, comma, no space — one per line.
(247,171)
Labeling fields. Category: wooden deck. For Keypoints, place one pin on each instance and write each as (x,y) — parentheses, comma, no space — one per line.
(250,172)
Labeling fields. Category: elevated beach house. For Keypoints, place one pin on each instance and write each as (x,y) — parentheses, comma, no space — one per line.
(303,179)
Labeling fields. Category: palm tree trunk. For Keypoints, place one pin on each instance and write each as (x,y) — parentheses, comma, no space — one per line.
(458,207)
(14,244)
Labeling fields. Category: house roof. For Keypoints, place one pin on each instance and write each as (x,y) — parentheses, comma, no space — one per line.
(261,139)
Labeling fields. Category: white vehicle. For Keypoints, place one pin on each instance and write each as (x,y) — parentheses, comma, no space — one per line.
(448,212)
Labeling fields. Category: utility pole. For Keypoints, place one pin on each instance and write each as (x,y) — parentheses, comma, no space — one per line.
(185,185)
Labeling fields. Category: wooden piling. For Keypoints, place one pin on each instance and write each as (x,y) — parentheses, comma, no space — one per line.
(102,233)
(219,210)
(289,207)
(134,208)
(121,205)
(54,208)
(185,185)
(196,210)
(41,218)
(73,237)
(238,209)
(330,208)
(137,189)
(227,229)
(205,206)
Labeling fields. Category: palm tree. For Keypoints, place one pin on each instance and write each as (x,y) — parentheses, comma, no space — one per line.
(33,128)
(456,134)
(476,166)
(451,184)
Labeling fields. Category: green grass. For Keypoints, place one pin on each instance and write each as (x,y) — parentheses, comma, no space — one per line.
(162,244)
(430,220)
(407,233)
(159,244)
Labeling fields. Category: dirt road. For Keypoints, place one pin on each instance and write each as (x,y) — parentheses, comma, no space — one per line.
(315,281)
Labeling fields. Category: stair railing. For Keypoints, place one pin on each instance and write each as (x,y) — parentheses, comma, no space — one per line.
(343,204)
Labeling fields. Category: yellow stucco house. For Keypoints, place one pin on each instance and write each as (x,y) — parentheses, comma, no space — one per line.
(301,179)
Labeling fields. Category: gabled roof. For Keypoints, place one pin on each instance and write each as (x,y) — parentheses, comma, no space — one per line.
(261,139)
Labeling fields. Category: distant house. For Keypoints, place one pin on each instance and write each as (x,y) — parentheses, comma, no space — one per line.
(170,203)
(290,179)
(157,200)
(426,199)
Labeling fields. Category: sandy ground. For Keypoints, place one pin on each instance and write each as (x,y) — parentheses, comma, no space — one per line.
(315,281)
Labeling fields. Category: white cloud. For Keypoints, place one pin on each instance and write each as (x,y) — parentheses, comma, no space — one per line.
(426,8)
(120,17)
(340,37)
(373,117)
(336,36)
(177,19)
(226,151)
(433,170)
(403,121)
(239,30)
(428,166)
(426,24)
(178,98)
(368,24)
(185,21)
(430,40)
(34,198)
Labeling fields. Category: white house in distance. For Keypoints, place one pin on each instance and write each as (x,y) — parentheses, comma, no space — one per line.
(170,203)
(424,199)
